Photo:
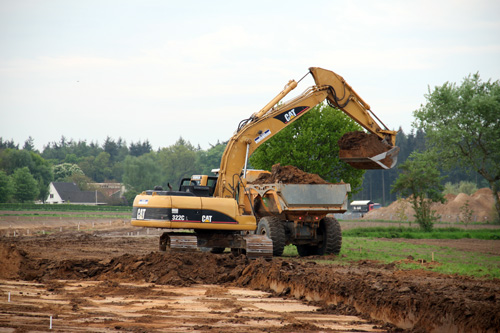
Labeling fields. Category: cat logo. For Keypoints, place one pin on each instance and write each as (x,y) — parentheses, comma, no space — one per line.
(290,115)
(206,218)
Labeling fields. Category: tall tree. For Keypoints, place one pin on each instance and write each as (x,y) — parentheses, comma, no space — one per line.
(420,180)
(12,159)
(8,144)
(5,187)
(310,144)
(210,159)
(177,161)
(39,168)
(462,123)
(140,148)
(29,144)
(25,185)
(110,147)
(63,171)
(140,174)
(42,172)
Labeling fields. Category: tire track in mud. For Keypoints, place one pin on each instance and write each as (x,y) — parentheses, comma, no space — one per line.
(411,300)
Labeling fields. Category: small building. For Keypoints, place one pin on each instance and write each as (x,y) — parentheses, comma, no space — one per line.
(62,192)
(361,206)
(112,190)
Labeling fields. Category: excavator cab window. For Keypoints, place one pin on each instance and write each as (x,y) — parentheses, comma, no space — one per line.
(211,182)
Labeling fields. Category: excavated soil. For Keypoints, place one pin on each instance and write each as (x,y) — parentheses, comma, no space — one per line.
(480,204)
(359,143)
(288,175)
(107,280)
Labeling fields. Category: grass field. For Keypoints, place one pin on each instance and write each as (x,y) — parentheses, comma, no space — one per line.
(375,245)
(411,233)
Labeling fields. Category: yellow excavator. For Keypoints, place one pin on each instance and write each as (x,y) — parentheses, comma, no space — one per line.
(219,212)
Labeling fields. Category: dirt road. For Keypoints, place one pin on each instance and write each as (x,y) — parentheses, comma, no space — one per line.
(110,279)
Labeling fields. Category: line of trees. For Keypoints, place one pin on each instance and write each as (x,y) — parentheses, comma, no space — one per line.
(140,167)
(136,165)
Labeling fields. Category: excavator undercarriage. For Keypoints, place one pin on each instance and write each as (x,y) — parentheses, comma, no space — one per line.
(252,245)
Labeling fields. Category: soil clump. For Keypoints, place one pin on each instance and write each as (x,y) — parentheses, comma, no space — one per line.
(359,143)
(288,174)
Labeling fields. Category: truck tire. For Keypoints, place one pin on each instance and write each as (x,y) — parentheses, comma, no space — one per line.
(272,227)
(306,250)
(332,236)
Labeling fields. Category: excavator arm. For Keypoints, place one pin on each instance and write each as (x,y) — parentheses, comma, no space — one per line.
(266,123)
(342,96)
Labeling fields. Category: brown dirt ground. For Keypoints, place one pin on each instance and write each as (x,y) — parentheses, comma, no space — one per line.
(104,279)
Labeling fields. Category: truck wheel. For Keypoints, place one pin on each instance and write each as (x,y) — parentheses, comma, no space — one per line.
(275,230)
(305,250)
(332,236)
(217,250)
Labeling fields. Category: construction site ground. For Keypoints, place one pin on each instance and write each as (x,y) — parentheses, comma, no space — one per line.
(100,275)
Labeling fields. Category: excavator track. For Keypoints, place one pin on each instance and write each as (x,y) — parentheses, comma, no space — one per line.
(255,246)
(258,246)
(178,242)
(183,243)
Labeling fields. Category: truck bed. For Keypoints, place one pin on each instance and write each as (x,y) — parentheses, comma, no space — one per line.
(306,197)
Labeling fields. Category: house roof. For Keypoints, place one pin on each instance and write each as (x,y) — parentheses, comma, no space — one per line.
(82,196)
(65,187)
(69,192)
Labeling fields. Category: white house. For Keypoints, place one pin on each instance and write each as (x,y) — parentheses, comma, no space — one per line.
(60,192)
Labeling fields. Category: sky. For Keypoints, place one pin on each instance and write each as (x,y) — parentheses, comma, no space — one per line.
(159,70)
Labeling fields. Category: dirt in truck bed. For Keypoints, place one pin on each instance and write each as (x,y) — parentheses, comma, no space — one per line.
(288,174)
(107,280)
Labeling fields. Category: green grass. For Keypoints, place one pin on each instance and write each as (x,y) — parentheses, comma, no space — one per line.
(81,214)
(447,260)
(412,233)
(63,207)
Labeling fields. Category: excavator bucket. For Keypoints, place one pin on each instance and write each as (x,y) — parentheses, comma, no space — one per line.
(366,151)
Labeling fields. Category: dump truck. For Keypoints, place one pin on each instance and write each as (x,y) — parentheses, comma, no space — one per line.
(225,211)
(297,213)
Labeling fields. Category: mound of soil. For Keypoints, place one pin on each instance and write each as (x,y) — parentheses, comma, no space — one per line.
(480,203)
(355,144)
(11,260)
(288,175)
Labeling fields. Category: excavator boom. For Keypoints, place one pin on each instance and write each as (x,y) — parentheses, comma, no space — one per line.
(376,151)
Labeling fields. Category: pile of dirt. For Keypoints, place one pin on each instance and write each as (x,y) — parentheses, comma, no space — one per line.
(360,144)
(288,175)
(172,268)
(11,260)
(480,204)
